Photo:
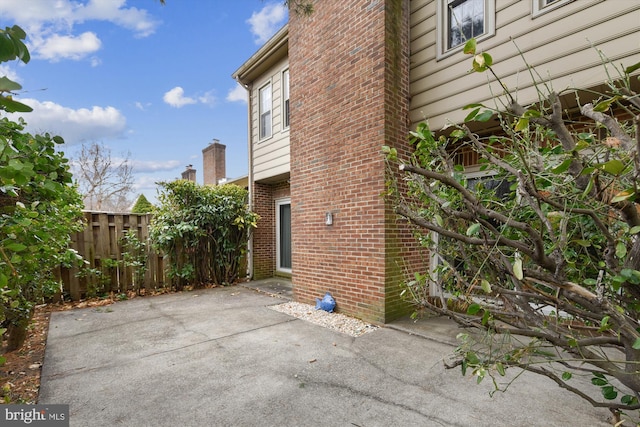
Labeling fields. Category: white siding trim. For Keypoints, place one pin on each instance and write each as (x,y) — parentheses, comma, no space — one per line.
(284,128)
(539,7)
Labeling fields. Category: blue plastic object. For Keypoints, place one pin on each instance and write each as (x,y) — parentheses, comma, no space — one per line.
(327,303)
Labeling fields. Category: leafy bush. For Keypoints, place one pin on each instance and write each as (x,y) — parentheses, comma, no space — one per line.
(135,256)
(202,230)
(39,208)
(542,253)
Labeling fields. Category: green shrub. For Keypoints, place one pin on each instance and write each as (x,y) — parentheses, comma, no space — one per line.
(203,231)
(39,207)
(544,246)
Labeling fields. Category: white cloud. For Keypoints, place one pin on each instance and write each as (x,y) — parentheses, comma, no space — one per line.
(267,21)
(9,72)
(37,11)
(140,166)
(59,47)
(142,107)
(175,97)
(134,19)
(75,126)
(64,14)
(147,184)
(237,94)
(50,24)
(208,98)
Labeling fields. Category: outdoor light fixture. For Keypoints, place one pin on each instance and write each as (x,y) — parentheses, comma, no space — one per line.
(328,218)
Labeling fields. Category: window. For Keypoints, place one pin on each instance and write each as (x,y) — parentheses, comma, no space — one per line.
(465,20)
(543,6)
(460,20)
(285,99)
(265,111)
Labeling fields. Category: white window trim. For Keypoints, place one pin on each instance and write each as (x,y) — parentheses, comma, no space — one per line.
(441,27)
(260,137)
(279,202)
(282,106)
(538,8)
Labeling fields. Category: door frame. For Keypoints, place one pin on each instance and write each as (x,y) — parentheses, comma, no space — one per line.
(281,202)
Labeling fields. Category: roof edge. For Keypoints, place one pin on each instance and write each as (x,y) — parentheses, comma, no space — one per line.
(273,45)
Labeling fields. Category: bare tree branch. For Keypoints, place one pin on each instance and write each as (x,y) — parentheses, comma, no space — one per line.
(104,182)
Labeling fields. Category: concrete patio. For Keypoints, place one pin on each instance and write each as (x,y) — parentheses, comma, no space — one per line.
(223,357)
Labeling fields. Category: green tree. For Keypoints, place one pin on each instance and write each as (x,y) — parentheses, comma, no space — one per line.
(39,207)
(542,254)
(142,205)
(202,230)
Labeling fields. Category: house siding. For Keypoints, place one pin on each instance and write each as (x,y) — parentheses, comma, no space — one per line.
(270,155)
(349,92)
(558,44)
(269,162)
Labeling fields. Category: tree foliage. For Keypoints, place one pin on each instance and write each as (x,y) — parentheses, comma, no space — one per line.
(39,207)
(12,48)
(105,182)
(541,252)
(142,205)
(203,231)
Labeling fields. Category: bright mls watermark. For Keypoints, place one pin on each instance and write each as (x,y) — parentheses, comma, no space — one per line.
(35,415)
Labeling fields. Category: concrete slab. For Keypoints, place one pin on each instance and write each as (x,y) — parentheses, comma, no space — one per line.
(274,286)
(222,357)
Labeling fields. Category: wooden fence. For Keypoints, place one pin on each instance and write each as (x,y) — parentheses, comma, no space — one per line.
(103,246)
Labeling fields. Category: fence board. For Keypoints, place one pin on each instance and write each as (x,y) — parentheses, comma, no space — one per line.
(101,245)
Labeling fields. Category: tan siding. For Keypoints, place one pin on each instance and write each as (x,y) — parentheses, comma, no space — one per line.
(276,87)
(273,171)
(557,44)
(270,155)
(270,160)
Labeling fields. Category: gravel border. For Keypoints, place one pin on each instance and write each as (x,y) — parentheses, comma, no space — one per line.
(336,321)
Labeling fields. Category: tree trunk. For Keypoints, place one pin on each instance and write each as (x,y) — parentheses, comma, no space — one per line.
(17,333)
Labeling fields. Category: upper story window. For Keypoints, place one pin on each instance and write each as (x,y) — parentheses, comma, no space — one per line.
(285,99)
(460,20)
(265,111)
(543,6)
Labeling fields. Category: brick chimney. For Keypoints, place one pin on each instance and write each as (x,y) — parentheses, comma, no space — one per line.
(213,163)
(189,173)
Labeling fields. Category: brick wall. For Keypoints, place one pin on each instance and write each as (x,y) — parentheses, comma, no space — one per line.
(264,237)
(349,93)
(404,255)
(214,163)
(189,173)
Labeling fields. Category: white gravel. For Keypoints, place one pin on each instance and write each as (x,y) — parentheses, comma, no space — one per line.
(336,321)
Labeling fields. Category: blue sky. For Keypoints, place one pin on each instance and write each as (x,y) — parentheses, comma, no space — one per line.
(139,77)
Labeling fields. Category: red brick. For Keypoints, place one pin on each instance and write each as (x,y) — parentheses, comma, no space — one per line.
(349,91)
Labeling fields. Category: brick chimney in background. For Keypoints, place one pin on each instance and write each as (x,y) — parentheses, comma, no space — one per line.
(189,173)
(213,163)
